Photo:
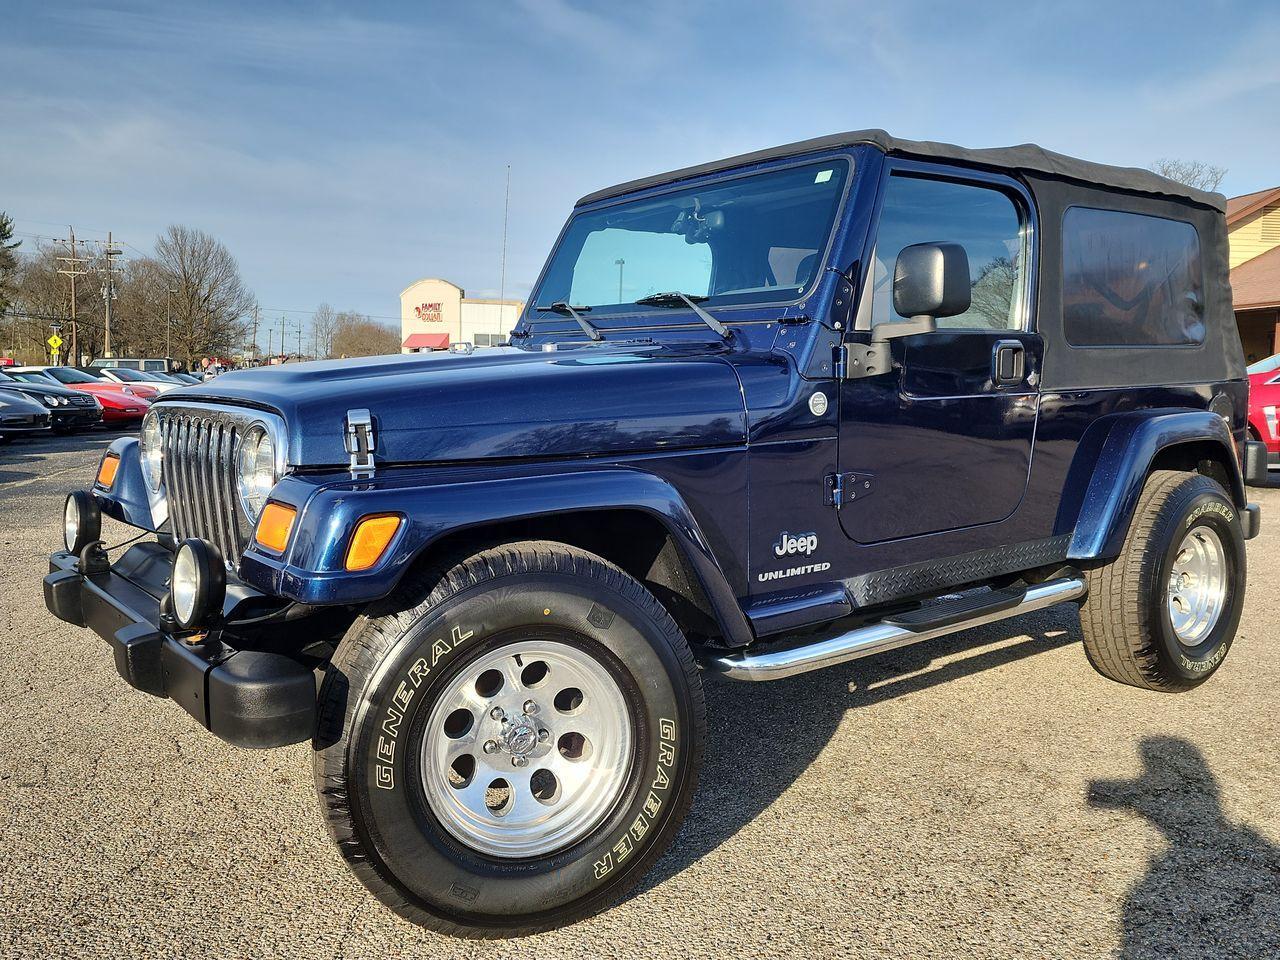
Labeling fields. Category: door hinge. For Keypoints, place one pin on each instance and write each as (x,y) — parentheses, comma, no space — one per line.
(361,442)
(857,360)
(840,488)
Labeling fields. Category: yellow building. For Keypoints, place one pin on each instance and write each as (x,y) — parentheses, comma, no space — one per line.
(1253,231)
(436,313)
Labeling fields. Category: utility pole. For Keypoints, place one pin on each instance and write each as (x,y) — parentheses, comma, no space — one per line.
(620,263)
(270,341)
(299,339)
(282,346)
(108,293)
(255,335)
(72,270)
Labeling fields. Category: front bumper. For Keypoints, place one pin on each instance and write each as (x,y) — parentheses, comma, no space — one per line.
(250,698)
(24,425)
(70,417)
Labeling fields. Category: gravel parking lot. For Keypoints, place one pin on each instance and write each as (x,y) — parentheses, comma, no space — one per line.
(986,795)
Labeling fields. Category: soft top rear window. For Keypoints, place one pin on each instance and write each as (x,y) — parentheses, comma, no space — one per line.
(1129,279)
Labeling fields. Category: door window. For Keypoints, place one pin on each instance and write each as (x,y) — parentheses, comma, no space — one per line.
(985,221)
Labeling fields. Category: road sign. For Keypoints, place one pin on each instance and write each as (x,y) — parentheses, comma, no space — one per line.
(54,342)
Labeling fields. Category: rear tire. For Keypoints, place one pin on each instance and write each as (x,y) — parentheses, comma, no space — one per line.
(1163,614)
(479,673)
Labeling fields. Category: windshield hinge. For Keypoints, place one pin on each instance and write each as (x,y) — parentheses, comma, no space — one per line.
(360,442)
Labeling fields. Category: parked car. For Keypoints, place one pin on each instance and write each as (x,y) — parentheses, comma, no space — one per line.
(136,379)
(68,409)
(83,378)
(851,394)
(22,416)
(187,378)
(1264,401)
(145,364)
(118,408)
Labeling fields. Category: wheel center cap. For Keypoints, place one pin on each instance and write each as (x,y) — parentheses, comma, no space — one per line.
(521,737)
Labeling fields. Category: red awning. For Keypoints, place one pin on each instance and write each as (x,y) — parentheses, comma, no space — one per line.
(427,341)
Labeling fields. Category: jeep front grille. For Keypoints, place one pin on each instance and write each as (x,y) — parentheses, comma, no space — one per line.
(200,476)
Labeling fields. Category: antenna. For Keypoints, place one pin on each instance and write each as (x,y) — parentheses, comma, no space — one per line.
(502,281)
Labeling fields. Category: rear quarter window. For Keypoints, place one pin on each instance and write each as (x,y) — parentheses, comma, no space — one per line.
(1130,280)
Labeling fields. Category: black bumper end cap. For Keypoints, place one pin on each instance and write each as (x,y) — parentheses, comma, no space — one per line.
(137,654)
(1255,464)
(259,699)
(62,596)
(1251,520)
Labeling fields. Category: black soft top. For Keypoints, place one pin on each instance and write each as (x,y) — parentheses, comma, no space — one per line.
(1026,157)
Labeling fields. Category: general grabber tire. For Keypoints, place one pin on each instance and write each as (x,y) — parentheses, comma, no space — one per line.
(509,742)
(1163,614)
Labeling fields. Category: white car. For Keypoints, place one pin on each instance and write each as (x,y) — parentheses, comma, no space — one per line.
(160,381)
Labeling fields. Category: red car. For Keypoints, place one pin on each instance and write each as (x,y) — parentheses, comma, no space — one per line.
(1264,406)
(120,405)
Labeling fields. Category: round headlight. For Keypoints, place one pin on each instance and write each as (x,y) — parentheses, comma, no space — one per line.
(152,452)
(81,522)
(49,399)
(255,470)
(197,583)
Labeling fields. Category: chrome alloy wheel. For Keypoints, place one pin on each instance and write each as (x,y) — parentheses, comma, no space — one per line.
(1197,587)
(527,749)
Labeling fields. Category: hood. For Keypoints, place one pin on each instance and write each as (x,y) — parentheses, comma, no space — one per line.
(497,403)
(39,389)
(15,401)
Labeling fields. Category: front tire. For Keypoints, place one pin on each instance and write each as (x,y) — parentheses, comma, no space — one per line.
(1163,614)
(455,725)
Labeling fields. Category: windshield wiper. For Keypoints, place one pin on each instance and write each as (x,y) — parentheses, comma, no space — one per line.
(677,299)
(576,312)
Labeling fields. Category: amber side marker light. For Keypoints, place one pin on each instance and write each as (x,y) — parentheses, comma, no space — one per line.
(274,526)
(369,542)
(107,471)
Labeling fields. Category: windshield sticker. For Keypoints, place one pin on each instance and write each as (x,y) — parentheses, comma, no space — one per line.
(823,176)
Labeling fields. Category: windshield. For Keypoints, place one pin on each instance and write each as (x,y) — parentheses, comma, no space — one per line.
(1265,366)
(26,376)
(67,375)
(754,239)
(128,376)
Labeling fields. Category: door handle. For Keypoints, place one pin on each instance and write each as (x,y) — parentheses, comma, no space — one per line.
(1008,362)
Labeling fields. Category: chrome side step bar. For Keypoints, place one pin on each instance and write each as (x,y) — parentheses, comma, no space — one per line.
(879,637)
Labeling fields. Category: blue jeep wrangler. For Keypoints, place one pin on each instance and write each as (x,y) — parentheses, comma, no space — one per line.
(760,416)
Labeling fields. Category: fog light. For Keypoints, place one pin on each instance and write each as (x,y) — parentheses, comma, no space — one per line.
(81,521)
(198,583)
(107,470)
(373,534)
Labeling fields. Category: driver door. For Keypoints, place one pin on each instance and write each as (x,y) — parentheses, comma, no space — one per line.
(944,440)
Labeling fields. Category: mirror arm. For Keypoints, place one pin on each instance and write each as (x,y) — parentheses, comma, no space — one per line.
(858,360)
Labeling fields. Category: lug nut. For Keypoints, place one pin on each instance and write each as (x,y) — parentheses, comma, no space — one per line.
(497,713)
(544,735)
(519,761)
(491,746)
(530,707)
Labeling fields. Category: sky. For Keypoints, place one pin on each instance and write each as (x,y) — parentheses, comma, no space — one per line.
(343,150)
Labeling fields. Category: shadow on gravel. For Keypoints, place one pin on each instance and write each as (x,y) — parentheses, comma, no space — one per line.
(1215,890)
(790,721)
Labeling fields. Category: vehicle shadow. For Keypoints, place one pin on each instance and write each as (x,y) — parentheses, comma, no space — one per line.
(735,787)
(1215,890)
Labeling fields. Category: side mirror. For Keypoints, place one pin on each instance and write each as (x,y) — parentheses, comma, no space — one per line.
(931,280)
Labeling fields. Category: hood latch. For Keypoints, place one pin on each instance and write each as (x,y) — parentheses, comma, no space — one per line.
(360,442)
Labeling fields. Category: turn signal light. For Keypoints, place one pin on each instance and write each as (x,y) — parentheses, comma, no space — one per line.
(107,470)
(274,526)
(368,543)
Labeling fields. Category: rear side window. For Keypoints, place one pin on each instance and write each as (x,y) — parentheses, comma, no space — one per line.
(1130,280)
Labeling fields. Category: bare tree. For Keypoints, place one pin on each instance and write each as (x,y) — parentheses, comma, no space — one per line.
(210,303)
(324,324)
(1194,173)
(356,335)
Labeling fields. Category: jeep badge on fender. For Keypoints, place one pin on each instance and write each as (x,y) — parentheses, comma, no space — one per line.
(511,566)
